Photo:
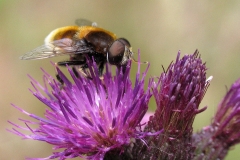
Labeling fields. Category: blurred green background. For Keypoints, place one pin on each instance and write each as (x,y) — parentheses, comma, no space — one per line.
(159,28)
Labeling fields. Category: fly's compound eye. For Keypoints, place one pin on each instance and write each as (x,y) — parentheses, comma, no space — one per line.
(119,52)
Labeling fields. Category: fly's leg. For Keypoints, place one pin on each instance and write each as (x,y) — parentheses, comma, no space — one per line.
(76,69)
(82,70)
(100,70)
(69,63)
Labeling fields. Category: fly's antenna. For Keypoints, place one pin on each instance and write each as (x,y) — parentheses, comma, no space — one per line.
(134,60)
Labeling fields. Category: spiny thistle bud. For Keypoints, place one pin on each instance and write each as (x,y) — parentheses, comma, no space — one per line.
(178,94)
(214,141)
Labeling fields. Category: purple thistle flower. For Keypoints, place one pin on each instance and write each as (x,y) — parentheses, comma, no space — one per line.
(178,94)
(88,118)
(214,141)
(101,118)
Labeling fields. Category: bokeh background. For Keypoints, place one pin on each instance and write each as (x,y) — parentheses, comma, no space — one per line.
(159,28)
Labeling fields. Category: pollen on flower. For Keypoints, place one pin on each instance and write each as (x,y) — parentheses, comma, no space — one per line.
(88,117)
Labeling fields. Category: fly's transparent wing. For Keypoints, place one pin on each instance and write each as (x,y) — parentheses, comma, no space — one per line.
(56,48)
(85,22)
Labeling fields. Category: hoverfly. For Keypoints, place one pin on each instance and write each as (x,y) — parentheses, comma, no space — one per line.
(80,41)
